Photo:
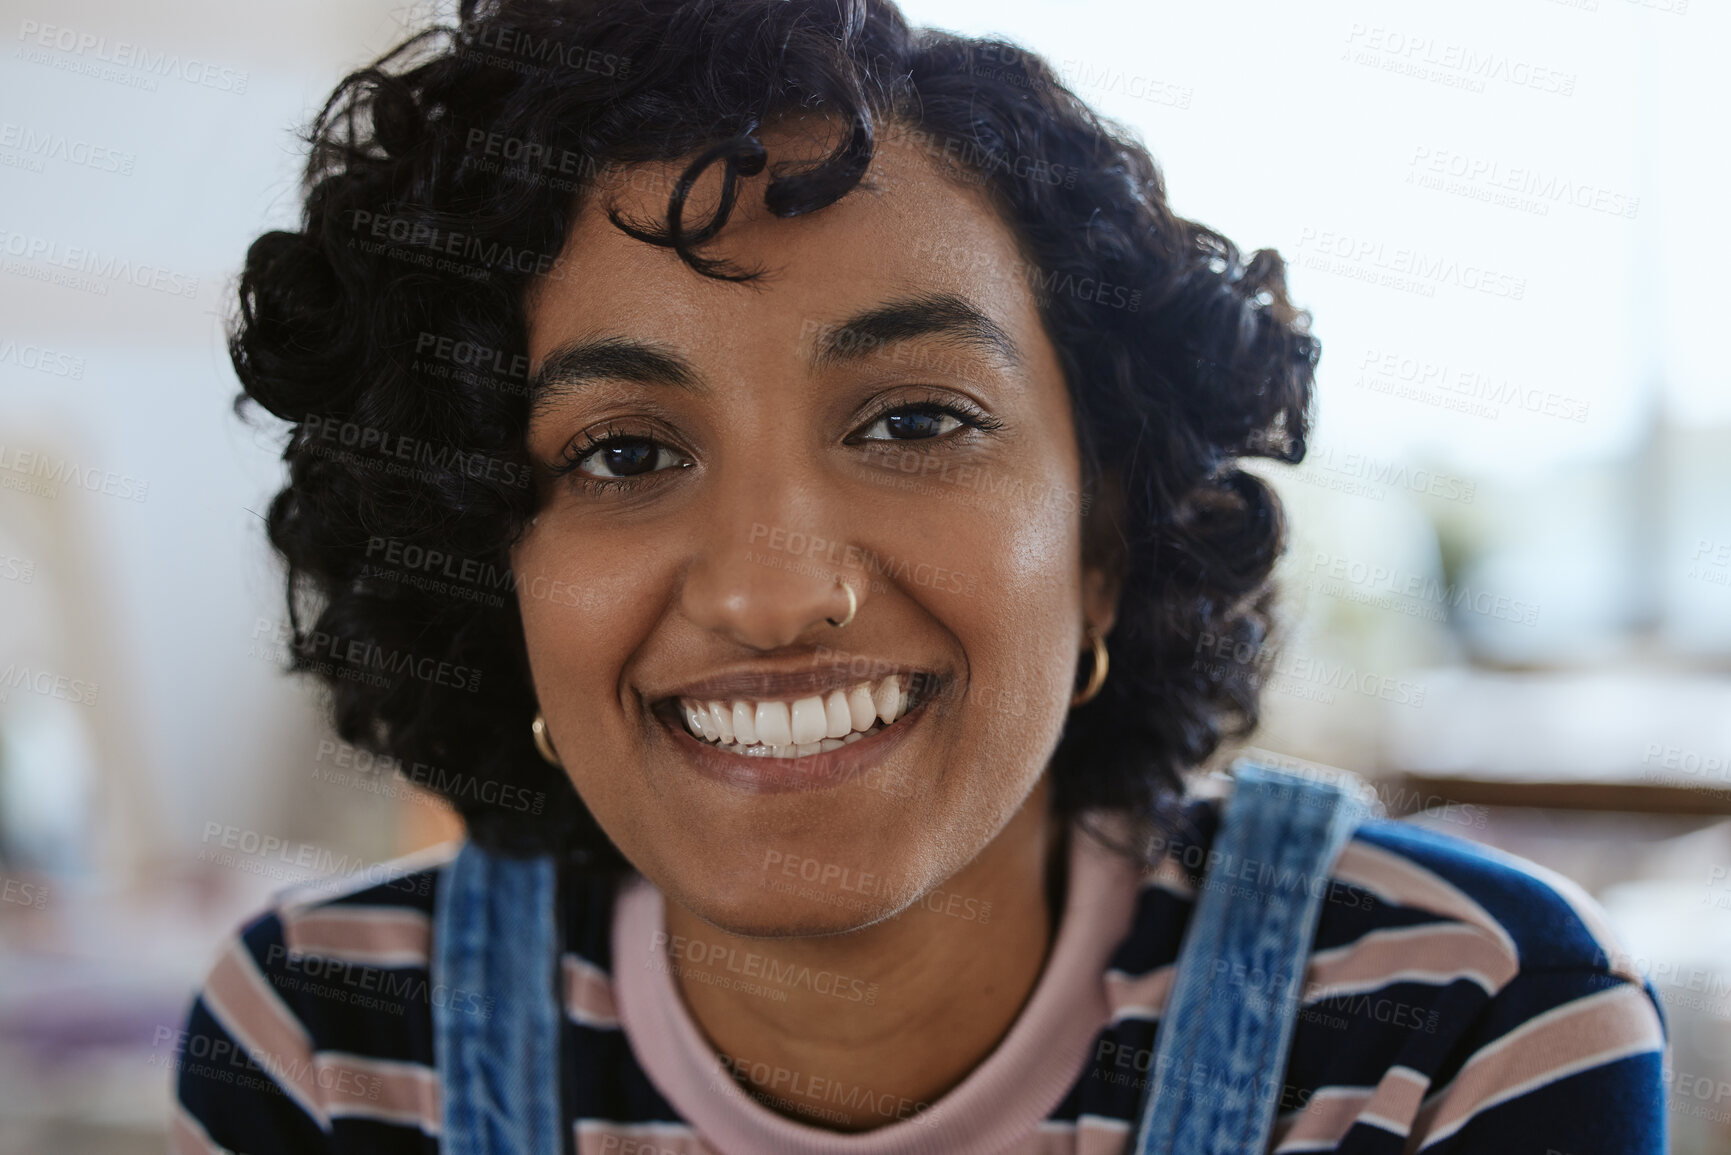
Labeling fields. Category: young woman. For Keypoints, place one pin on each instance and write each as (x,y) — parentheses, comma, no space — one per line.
(774,471)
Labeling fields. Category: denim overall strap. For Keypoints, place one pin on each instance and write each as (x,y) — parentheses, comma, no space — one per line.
(496,1026)
(1224,1035)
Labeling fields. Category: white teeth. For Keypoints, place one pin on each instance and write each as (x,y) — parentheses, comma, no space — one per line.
(837,714)
(744,723)
(774,724)
(862,710)
(723,715)
(887,696)
(798,750)
(780,729)
(809,721)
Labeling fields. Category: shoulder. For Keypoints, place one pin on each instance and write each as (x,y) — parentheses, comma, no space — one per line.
(381,915)
(1453,993)
(1536,918)
(377,917)
(316,1014)
(1564,1042)
(1400,879)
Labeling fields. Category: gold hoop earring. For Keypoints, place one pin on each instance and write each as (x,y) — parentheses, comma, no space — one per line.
(1097,678)
(543,743)
(852,606)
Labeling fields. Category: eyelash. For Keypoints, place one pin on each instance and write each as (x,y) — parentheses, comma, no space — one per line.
(971,416)
(589,441)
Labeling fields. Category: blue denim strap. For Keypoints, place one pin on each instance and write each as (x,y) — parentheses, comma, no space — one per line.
(1221,1059)
(494,949)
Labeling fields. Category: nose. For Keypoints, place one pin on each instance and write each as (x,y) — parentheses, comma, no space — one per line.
(770,579)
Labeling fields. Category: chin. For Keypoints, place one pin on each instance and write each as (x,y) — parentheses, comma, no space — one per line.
(767,905)
(791,922)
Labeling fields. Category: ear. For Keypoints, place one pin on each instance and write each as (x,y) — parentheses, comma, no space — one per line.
(1100,600)
(1104,557)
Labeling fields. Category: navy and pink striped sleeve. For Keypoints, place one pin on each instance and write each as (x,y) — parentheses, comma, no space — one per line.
(312,1033)
(247,1081)
(1567,1054)
(1563,1060)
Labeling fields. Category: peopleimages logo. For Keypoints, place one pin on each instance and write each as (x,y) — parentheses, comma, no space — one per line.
(39,146)
(88,46)
(468,251)
(260,853)
(1352,467)
(1491,175)
(1399,266)
(357,659)
(85,261)
(47,683)
(394,447)
(1456,65)
(41,359)
(1427,378)
(469,355)
(751,964)
(43,475)
(1416,594)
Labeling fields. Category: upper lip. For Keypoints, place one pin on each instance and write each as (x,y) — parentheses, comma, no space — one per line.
(807,681)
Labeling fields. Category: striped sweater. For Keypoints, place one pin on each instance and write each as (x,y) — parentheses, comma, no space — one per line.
(1456,1000)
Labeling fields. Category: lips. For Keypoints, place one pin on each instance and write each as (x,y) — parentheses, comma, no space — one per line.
(897,702)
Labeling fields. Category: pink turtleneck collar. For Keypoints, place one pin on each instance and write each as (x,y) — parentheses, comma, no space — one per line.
(1000,1103)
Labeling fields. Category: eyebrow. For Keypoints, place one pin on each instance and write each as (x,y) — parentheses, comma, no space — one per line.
(924,316)
(574,364)
(942,316)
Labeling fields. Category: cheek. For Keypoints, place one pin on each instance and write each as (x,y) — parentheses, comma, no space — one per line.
(1020,554)
(558,604)
(578,613)
(1018,626)
(581,613)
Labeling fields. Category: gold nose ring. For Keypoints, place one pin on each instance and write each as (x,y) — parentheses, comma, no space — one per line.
(852,606)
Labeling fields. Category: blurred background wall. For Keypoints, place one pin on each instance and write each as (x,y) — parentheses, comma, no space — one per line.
(1509,585)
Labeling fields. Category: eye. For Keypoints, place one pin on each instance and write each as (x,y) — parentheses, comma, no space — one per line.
(914,423)
(611,457)
(625,457)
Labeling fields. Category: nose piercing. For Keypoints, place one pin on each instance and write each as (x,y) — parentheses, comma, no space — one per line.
(852,606)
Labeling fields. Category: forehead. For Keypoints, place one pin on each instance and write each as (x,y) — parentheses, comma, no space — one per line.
(908,227)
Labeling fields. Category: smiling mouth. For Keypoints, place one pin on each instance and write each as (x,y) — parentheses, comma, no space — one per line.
(799,727)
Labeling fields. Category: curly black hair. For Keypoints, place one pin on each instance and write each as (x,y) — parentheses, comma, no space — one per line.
(390,331)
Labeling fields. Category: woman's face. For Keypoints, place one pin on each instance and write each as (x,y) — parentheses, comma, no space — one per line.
(882,407)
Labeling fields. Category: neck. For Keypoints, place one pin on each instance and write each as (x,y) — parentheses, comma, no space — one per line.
(947,989)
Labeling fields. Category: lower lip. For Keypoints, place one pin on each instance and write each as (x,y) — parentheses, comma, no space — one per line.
(758,774)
